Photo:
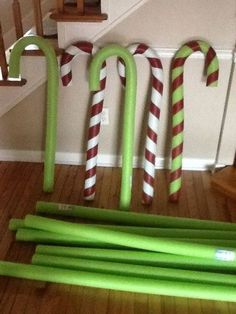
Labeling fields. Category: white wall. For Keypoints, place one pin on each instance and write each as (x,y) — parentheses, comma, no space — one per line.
(162,23)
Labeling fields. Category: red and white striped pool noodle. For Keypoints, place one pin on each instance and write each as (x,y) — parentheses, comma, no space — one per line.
(153,118)
(95,113)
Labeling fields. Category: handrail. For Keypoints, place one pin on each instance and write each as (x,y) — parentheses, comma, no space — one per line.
(52,98)
(129,111)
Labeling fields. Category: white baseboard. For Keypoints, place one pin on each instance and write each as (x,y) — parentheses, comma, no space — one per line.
(104,160)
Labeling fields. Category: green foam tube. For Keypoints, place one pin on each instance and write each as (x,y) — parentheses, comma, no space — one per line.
(129,112)
(128,218)
(39,236)
(121,283)
(138,257)
(15,224)
(133,270)
(131,240)
(222,243)
(187,234)
(52,97)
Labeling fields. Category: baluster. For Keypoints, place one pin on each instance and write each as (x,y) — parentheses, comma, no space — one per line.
(60,6)
(3,60)
(17,19)
(80,6)
(38,17)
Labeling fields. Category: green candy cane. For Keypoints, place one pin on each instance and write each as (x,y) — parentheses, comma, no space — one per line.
(212,66)
(52,98)
(129,112)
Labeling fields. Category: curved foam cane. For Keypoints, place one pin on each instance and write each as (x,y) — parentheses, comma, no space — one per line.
(153,117)
(52,97)
(76,49)
(212,66)
(84,47)
(129,112)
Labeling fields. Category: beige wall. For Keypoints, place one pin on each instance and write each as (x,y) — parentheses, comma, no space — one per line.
(169,23)
(21,128)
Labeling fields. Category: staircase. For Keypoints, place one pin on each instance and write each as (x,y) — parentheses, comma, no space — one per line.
(34,68)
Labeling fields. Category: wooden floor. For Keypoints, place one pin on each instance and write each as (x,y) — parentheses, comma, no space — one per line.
(21,187)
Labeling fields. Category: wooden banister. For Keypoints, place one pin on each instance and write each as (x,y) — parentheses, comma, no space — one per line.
(17,19)
(38,17)
(3,60)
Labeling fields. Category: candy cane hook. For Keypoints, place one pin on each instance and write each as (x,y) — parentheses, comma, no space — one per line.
(76,49)
(153,118)
(212,66)
(71,52)
(52,96)
(129,112)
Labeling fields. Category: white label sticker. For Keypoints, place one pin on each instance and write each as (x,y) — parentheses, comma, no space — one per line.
(64,207)
(225,255)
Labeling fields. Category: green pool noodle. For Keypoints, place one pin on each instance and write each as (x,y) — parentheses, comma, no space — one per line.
(138,257)
(222,243)
(128,218)
(39,236)
(121,283)
(15,224)
(130,240)
(174,233)
(187,234)
(133,270)
(52,98)
(129,111)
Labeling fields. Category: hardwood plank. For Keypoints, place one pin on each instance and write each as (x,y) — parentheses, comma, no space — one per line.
(181,305)
(224,181)
(120,303)
(20,254)
(21,187)
(216,203)
(154,304)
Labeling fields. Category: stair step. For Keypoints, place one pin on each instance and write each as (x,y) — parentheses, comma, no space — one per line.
(66,17)
(92,13)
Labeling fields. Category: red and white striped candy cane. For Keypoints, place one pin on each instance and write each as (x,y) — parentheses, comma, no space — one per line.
(95,113)
(78,48)
(153,118)
(93,137)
